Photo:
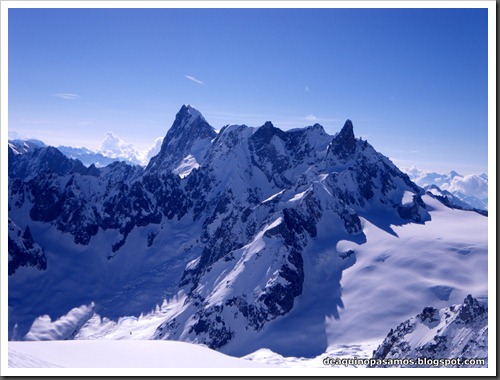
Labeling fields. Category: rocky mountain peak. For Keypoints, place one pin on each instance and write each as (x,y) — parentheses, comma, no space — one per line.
(266,132)
(268,124)
(470,310)
(188,120)
(187,140)
(348,129)
(187,112)
(344,143)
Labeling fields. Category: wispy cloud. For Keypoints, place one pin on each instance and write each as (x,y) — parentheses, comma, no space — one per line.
(307,88)
(14,135)
(191,78)
(67,96)
(405,151)
(84,122)
(35,121)
(311,117)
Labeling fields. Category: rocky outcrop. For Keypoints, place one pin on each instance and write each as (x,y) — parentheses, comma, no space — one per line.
(458,333)
(23,251)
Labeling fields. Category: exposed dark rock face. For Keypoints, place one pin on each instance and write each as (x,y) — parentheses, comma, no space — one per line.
(461,332)
(23,251)
(40,160)
(343,144)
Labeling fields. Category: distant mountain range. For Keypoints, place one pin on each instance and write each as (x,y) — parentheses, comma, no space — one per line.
(471,189)
(112,149)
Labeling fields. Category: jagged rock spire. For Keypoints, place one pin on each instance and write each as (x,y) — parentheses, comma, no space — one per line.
(344,143)
(347,130)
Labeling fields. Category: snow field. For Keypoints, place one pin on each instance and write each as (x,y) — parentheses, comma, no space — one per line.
(390,283)
(121,354)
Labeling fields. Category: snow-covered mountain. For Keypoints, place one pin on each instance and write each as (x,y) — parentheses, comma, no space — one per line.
(185,146)
(471,190)
(25,145)
(258,237)
(449,337)
(453,201)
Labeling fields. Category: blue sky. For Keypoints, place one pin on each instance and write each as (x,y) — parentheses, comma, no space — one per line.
(413,81)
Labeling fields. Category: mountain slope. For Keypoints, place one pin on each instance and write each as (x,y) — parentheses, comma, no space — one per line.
(255,230)
(458,333)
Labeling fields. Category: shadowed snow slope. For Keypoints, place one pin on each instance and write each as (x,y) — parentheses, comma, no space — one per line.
(395,276)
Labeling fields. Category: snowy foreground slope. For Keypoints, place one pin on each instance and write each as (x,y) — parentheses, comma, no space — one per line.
(243,239)
(120,354)
(453,337)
